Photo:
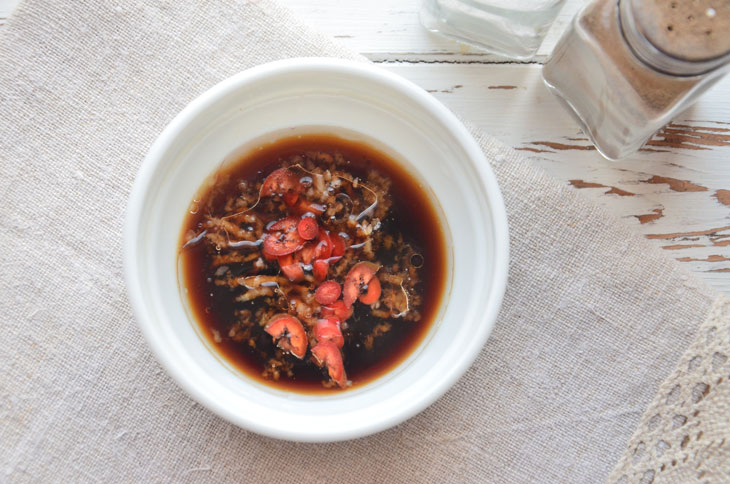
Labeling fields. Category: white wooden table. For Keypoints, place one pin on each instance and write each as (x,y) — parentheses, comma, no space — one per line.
(677,193)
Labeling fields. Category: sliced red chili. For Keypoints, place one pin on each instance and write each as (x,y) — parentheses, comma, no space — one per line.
(319,269)
(291,268)
(280,182)
(327,292)
(337,309)
(283,238)
(289,334)
(324,246)
(277,244)
(328,354)
(328,330)
(373,292)
(307,228)
(338,245)
(306,254)
(362,277)
(285,224)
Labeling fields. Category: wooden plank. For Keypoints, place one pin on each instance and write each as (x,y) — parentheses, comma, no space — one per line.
(680,188)
(6,8)
(386,30)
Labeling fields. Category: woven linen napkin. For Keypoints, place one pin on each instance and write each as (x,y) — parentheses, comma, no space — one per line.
(579,382)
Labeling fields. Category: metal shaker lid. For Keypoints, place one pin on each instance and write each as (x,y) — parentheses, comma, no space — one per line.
(695,33)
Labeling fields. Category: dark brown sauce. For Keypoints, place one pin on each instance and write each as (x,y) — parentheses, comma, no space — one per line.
(411,214)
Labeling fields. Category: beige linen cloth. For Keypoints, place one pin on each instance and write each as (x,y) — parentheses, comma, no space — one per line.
(608,362)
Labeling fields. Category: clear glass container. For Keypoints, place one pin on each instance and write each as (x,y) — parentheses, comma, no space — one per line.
(625,68)
(506,27)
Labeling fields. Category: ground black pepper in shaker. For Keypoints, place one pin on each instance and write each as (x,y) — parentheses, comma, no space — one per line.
(625,68)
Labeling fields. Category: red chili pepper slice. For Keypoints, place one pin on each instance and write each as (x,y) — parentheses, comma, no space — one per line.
(306,254)
(327,354)
(281,182)
(373,292)
(283,238)
(338,245)
(277,244)
(328,331)
(290,334)
(286,224)
(319,269)
(291,268)
(338,310)
(361,276)
(327,292)
(307,228)
(324,246)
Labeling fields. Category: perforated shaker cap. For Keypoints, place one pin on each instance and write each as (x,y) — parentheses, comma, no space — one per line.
(694,33)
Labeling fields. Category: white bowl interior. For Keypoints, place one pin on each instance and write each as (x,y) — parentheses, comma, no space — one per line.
(355,102)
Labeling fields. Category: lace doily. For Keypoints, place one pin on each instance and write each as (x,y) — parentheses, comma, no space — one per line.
(684,435)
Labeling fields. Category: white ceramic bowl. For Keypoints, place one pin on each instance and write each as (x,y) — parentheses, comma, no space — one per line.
(354,100)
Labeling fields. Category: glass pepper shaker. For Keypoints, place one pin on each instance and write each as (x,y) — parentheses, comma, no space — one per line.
(625,68)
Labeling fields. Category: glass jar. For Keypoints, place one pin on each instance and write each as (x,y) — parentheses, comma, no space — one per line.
(625,68)
(505,27)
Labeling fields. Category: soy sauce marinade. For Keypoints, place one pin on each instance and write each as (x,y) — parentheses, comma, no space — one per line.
(239,284)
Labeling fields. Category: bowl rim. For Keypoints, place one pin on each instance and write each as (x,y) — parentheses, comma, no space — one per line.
(475,155)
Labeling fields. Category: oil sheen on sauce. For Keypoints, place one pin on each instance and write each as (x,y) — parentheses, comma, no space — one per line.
(412,215)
